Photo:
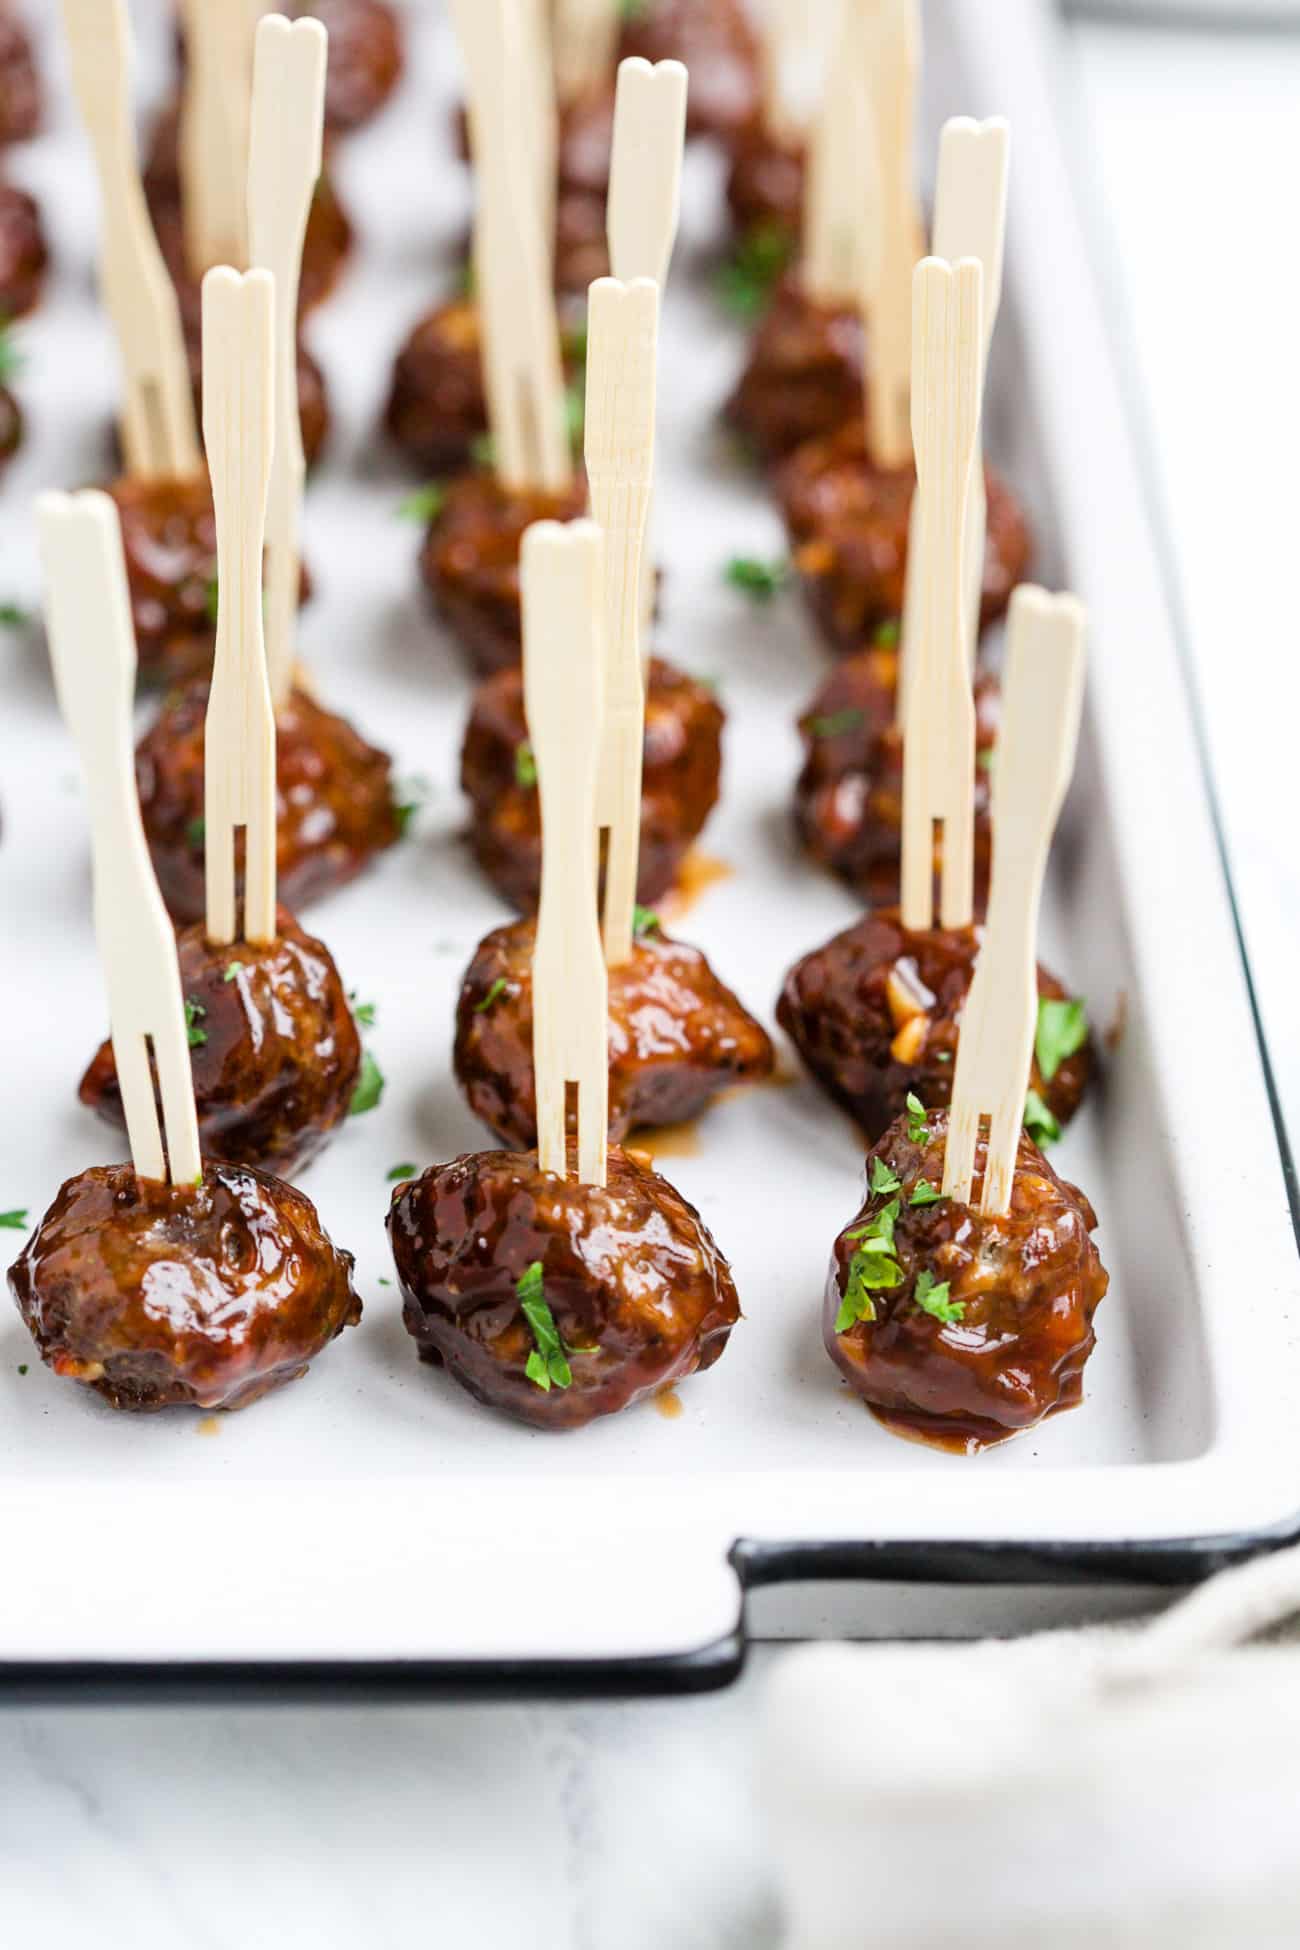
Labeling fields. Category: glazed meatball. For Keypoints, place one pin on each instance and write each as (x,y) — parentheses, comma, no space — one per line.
(365,57)
(803,378)
(677,1036)
(204,1296)
(955,1327)
(848,802)
(765,185)
(20,88)
(553,1300)
(470,560)
(848,524)
(275,1051)
(326,246)
(24,256)
(876,1014)
(335,806)
(717,42)
(437,408)
(679,782)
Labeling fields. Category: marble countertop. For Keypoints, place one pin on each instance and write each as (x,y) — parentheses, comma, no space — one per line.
(586,1828)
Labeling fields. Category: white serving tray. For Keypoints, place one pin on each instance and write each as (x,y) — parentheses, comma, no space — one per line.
(372,1523)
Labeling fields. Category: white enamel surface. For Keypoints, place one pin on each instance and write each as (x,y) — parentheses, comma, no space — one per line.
(373,1510)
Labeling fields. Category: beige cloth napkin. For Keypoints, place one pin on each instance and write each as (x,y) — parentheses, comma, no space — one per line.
(1110,1788)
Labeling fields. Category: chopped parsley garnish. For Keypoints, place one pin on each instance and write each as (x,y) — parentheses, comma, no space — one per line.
(483,450)
(924,1193)
(12,617)
(11,359)
(633,9)
(645,920)
(194,1014)
(233,969)
(525,766)
(758,580)
(747,280)
(1062,1030)
(835,723)
(1039,1121)
(931,1296)
(15,1221)
(548,1365)
(984,760)
(400,1171)
(363,1013)
(917,1128)
(494,994)
(423,504)
(872,1268)
(212,600)
(196,831)
(370,1086)
(22,1367)
(887,635)
(575,411)
(409,797)
(883,1180)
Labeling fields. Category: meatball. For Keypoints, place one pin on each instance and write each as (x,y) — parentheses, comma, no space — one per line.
(955,1327)
(848,802)
(365,57)
(437,408)
(848,523)
(20,88)
(553,1300)
(335,807)
(206,1295)
(717,42)
(677,1035)
(24,256)
(470,560)
(679,782)
(803,379)
(876,1014)
(275,1051)
(326,246)
(765,184)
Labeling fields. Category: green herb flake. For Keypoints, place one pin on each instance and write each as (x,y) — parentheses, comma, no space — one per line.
(1062,1030)
(924,1193)
(11,359)
(493,995)
(746,281)
(483,450)
(887,635)
(15,1221)
(196,832)
(364,1014)
(233,970)
(633,10)
(383,1281)
(760,581)
(13,617)
(645,920)
(423,504)
(872,1268)
(370,1086)
(409,798)
(212,601)
(399,1172)
(575,411)
(931,1296)
(1041,1125)
(525,767)
(984,760)
(547,1366)
(883,1180)
(834,724)
(22,1367)
(917,1128)
(194,1014)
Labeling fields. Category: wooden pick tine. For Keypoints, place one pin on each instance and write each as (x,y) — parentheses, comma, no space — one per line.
(1042,698)
(939,732)
(239,748)
(284,162)
(88,618)
(159,435)
(645,171)
(522,370)
(562,577)
(622,346)
(585,37)
(970,220)
(894,58)
(843,211)
(213,134)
